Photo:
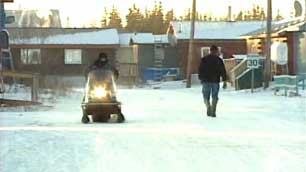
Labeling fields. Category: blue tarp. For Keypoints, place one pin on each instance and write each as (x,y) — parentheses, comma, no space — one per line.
(151,73)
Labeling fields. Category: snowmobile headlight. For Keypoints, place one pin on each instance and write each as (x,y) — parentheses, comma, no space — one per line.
(99,92)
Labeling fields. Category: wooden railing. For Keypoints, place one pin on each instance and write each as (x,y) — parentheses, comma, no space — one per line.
(229,66)
(237,71)
(286,82)
(33,76)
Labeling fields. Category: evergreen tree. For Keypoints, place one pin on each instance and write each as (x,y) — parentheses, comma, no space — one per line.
(147,21)
(239,16)
(279,16)
(247,16)
(205,18)
(262,14)
(181,18)
(115,19)
(168,18)
(210,17)
(187,16)
(104,19)
(198,16)
(135,20)
(255,13)
(157,19)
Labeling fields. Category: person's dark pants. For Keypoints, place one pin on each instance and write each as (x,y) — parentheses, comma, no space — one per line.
(210,89)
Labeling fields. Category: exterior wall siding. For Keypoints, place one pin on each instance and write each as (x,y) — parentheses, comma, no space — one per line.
(229,47)
(301,53)
(145,58)
(127,65)
(172,58)
(52,61)
(291,53)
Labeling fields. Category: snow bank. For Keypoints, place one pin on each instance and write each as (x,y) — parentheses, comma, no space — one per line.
(166,130)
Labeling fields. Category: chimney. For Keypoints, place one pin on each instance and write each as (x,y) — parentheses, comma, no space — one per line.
(229,15)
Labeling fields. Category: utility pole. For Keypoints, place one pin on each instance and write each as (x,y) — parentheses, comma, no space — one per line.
(2,16)
(191,45)
(305,10)
(267,75)
(2,24)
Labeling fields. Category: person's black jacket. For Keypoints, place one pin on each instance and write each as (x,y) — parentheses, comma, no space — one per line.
(105,66)
(211,69)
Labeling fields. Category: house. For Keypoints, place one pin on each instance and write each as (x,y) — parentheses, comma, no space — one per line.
(60,54)
(293,33)
(225,35)
(150,53)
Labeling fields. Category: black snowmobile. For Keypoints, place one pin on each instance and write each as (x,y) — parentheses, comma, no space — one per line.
(100,97)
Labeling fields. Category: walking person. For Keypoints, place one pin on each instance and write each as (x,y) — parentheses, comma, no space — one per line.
(211,69)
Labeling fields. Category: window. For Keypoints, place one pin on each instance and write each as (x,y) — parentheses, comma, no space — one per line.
(73,56)
(206,50)
(30,56)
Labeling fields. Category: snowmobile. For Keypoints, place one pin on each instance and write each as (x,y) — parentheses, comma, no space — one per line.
(100,98)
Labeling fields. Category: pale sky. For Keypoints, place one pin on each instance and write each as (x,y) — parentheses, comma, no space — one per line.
(85,12)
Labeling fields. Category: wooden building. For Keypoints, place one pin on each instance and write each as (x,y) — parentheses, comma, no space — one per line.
(59,52)
(225,35)
(144,51)
(293,33)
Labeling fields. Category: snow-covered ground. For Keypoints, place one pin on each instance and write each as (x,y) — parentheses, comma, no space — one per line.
(166,130)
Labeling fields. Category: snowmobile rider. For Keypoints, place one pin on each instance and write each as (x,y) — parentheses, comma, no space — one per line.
(102,63)
(210,70)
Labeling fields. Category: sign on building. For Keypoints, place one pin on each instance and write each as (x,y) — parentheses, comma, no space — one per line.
(279,53)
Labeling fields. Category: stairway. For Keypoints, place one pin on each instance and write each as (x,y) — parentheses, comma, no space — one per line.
(241,75)
(158,58)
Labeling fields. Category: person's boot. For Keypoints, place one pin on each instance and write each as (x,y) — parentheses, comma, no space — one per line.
(214,108)
(208,107)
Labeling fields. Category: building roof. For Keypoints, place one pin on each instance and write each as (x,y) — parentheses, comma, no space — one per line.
(63,36)
(125,38)
(216,30)
(142,38)
(161,38)
(279,27)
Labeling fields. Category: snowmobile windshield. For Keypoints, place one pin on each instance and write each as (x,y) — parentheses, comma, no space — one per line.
(101,78)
